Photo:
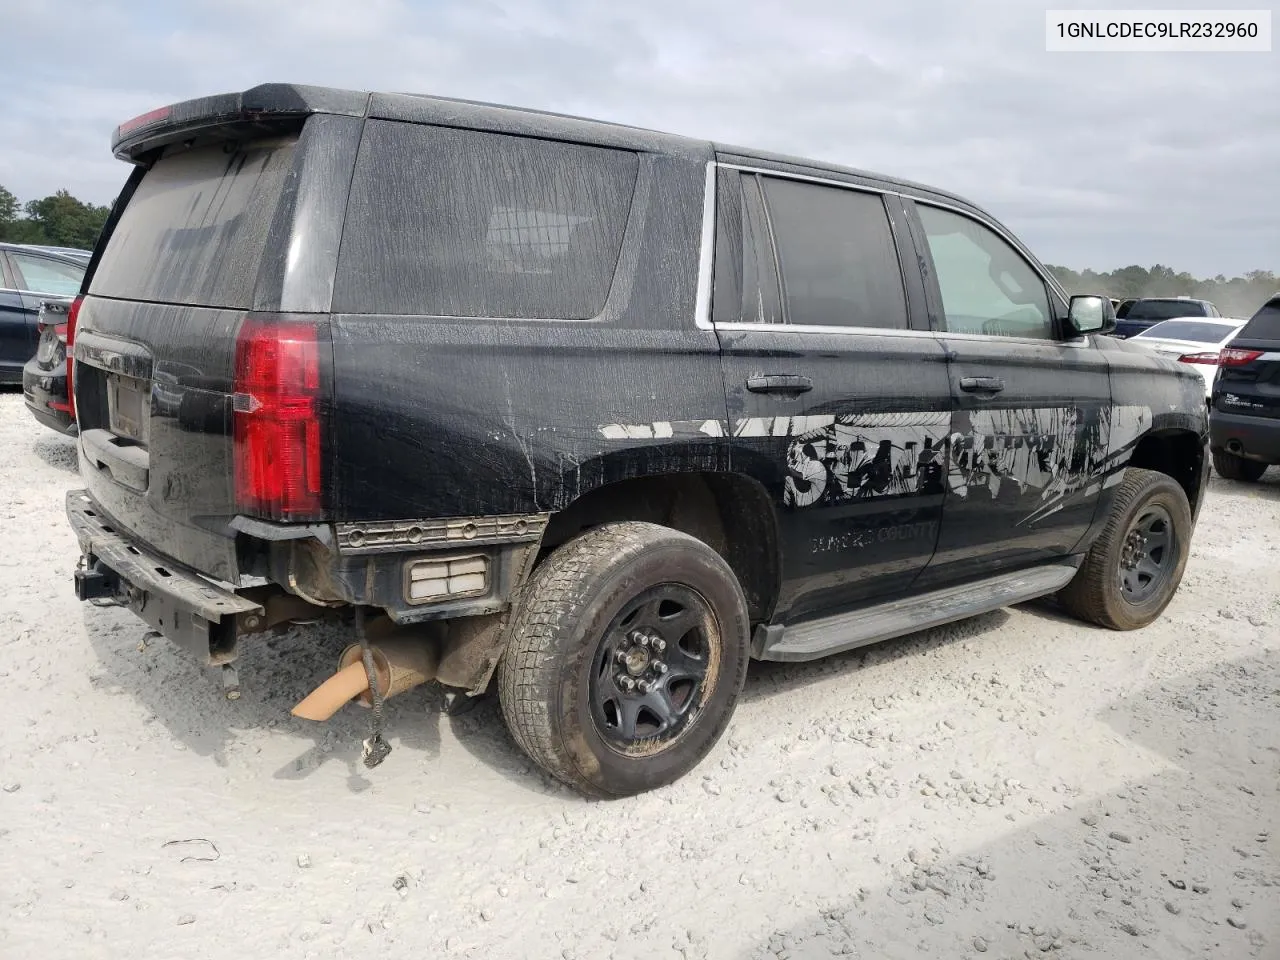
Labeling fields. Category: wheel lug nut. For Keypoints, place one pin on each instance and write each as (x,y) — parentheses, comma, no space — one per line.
(626,683)
(659,644)
(659,668)
(645,686)
(620,656)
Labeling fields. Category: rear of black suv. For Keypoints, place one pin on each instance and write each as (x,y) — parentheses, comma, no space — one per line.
(1244,422)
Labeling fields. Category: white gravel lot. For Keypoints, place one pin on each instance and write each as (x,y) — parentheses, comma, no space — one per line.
(1011,785)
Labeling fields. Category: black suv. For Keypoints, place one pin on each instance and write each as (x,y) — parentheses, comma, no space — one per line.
(1244,422)
(591,415)
(1134,316)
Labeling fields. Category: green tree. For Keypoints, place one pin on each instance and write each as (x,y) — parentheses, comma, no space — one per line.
(8,208)
(67,222)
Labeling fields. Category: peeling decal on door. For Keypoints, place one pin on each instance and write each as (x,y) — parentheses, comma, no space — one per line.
(1050,452)
(863,456)
(1047,453)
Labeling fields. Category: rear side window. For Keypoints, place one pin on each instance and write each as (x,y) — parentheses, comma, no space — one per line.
(746,275)
(195,230)
(835,248)
(458,223)
(1265,324)
(43,275)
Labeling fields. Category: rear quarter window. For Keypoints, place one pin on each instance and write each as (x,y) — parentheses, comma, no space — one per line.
(1265,324)
(459,223)
(195,230)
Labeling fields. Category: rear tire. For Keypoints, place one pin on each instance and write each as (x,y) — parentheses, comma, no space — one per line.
(1134,567)
(625,657)
(1231,467)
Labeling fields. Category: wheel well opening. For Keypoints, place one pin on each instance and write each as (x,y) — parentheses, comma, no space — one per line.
(1179,454)
(730,513)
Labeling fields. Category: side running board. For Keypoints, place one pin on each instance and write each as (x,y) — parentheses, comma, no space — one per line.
(856,628)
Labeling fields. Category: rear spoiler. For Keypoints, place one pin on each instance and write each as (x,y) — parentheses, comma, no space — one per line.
(265,104)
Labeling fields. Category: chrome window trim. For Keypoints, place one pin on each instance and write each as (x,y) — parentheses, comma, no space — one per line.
(817,328)
(707,252)
(702,314)
(766,171)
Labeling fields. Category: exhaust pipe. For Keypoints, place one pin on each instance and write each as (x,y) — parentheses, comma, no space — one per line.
(400,664)
(1235,446)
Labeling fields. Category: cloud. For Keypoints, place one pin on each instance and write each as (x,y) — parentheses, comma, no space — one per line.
(1093,159)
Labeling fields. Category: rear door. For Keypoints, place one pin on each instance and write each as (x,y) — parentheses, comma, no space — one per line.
(1248,381)
(836,405)
(1031,411)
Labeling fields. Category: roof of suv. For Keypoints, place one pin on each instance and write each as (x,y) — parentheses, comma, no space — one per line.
(290,99)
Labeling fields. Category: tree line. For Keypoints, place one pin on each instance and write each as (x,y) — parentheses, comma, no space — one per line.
(59,220)
(1235,297)
(63,221)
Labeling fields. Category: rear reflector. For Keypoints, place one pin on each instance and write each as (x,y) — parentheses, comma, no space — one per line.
(69,338)
(277,419)
(1235,357)
(1209,358)
(440,579)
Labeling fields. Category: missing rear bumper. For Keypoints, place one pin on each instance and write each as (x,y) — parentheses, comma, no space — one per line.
(197,615)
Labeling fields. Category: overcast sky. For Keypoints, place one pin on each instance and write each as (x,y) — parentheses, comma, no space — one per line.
(1096,160)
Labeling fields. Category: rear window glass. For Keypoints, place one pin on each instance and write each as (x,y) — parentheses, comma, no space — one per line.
(1265,324)
(457,223)
(1198,331)
(195,230)
(1165,309)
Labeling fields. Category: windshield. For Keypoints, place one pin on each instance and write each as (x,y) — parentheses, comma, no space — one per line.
(1165,309)
(1197,330)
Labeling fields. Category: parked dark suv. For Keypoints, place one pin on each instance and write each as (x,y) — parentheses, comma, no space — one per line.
(1134,316)
(591,413)
(1244,422)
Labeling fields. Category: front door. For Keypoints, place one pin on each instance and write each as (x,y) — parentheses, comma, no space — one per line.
(835,404)
(1031,410)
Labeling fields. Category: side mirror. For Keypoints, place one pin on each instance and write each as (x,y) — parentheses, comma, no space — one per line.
(1090,314)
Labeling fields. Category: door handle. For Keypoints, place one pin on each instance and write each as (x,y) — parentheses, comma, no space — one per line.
(779,383)
(981,384)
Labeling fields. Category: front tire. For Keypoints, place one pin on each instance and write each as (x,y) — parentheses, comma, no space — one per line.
(1133,569)
(625,657)
(1231,467)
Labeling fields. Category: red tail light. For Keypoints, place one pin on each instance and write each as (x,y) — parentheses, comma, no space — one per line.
(1209,358)
(1235,357)
(277,419)
(68,337)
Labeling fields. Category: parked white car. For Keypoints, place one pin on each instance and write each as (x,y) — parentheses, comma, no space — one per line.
(1194,340)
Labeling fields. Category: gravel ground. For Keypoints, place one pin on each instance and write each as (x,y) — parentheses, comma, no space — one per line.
(1010,785)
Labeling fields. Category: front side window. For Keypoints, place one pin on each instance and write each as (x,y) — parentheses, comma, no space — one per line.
(42,275)
(987,287)
(839,263)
